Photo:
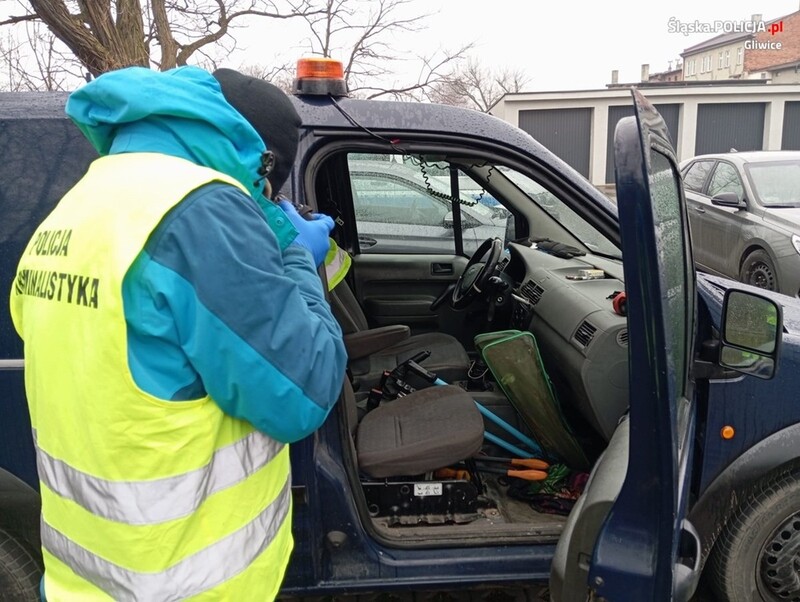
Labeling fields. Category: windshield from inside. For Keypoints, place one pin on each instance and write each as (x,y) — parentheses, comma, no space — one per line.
(777,183)
(569,219)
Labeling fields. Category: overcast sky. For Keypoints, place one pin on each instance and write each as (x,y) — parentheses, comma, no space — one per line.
(560,44)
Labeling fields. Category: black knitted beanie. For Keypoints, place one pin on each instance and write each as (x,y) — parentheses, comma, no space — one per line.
(270,112)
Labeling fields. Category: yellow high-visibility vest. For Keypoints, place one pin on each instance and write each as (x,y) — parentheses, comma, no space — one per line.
(142,498)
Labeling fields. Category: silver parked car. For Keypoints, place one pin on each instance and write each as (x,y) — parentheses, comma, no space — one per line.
(402,208)
(744,212)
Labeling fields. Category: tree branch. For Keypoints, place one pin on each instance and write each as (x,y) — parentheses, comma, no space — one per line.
(19,19)
(224,21)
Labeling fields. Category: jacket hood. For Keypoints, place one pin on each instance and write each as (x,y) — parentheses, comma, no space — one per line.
(181,112)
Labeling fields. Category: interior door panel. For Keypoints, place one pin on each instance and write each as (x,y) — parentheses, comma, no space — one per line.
(399,289)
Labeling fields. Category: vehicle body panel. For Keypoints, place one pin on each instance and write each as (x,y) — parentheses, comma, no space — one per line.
(723,495)
(43,156)
(755,409)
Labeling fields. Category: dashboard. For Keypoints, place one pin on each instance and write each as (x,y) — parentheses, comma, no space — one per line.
(567,304)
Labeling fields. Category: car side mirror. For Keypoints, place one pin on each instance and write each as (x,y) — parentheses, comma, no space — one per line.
(752,329)
(728,199)
(448,220)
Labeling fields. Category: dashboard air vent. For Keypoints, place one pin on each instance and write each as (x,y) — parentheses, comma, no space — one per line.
(622,338)
(585,333)
(532,291)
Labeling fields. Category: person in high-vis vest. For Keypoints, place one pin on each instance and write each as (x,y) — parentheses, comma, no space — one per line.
(280,132)
(177,337)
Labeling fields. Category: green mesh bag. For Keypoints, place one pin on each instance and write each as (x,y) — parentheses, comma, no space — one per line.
(513,357)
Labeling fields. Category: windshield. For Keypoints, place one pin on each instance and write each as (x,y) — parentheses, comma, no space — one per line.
(574,223)
(777,183)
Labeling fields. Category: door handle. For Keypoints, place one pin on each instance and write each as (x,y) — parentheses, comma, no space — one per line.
(699,209)
(366,242)
(442,269)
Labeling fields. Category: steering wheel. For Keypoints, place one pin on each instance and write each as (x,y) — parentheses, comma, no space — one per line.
(477,273)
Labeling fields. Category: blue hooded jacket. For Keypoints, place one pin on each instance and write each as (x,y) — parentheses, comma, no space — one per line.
(219,301)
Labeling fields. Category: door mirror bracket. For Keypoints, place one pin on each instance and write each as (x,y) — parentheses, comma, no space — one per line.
(703,370)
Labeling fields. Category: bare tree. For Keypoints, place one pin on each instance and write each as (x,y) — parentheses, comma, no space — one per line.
(477,87)
(363,34)
(106,35)
(433,70)
(109,34)
(281,76)
(45,67)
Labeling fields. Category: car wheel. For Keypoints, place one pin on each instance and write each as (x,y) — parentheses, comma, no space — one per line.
(755,555)
(20,571)
(758,270)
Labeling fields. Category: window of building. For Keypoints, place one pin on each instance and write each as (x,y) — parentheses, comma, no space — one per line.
(739,54)
(691,67)
(706,63)
(719,61)
(727,62)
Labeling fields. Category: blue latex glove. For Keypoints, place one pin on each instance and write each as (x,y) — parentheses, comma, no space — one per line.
(311,233)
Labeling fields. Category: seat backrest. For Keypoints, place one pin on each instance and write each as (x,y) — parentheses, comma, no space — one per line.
(346,309)
(419,432)
(350,407)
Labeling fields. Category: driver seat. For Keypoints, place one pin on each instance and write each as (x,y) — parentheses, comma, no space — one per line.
(372,350)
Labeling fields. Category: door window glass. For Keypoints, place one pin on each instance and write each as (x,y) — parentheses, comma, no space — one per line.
(673,252)
(403,206)
(695,178)
(388,198)
(725,179)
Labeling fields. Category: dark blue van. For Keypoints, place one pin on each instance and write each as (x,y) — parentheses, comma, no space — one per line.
(679,393)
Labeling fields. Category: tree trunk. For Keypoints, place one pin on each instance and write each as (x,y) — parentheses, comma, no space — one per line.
(93,36)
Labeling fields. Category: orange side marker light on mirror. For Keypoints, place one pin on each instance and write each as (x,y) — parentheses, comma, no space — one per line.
(727,432)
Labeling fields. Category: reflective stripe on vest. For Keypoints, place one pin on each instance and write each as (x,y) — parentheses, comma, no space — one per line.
(191,576)
(337,264)
(143,498)
(160,500)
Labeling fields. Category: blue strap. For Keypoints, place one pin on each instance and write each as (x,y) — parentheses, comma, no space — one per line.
(521,437)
